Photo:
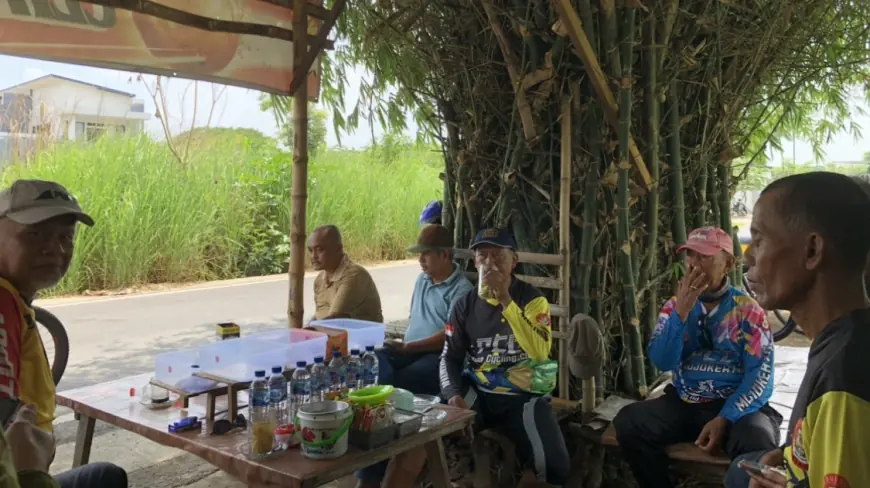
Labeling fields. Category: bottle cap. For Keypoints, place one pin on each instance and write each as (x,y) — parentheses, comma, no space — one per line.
(318,359)
(336,354)
(370,348)
(354,352)
(277,369)
(301,364)
(259,373)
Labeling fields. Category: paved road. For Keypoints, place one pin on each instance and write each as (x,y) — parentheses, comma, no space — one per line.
(118,336)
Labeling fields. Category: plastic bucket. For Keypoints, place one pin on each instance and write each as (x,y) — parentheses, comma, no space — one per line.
(324,427)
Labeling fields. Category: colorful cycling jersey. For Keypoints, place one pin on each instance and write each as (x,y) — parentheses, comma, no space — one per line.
(502,344)
(24,370)
(724,354)
(829,430)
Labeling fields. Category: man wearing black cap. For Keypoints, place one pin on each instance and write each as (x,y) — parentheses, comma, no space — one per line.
(37,232)
(502,332)
(412,364)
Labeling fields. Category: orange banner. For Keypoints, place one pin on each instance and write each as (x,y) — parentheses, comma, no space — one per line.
(76,32)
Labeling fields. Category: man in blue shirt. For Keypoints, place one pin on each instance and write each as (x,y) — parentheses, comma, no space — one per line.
(412,364)
(715,340)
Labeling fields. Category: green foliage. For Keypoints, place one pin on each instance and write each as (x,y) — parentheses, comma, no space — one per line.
(316,123)
(225,213)
(758,176)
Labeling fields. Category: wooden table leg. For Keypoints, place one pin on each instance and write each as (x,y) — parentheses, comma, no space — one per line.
(210,407)
(437,462)
(232,404)
(84,439)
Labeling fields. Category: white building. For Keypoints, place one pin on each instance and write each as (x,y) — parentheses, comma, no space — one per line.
(67,109)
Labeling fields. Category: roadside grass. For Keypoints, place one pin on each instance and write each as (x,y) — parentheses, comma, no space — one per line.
(224,213)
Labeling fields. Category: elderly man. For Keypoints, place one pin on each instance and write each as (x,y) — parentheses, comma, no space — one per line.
(810,242)
(37,232)
(716,341)
(496,362)
(342,289)
(413,363)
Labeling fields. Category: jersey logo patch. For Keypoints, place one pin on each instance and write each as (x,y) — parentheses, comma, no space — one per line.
(798,453)
(835,481)
(543,319)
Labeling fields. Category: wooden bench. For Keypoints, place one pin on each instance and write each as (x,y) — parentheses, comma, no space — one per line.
(684,451)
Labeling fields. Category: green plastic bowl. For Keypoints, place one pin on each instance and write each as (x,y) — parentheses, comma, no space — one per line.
(373,395)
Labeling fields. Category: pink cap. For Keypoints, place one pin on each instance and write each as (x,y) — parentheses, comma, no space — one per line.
(708,241)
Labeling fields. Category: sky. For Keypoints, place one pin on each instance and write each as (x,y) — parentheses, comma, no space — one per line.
(234,107)
(238,107)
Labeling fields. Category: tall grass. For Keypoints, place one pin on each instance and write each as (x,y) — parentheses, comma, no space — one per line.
(224,213)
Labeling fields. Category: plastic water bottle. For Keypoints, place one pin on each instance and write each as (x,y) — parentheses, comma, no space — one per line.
(320,381)
(262,427)
(337,376)
(300,386)
(278,396)
(354,370)
(370,367)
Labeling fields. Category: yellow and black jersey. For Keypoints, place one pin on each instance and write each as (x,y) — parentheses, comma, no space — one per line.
(494,339)
(828,443)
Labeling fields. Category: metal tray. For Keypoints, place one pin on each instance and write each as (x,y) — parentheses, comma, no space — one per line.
(406,422)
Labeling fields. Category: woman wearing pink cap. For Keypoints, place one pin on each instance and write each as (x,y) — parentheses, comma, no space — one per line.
(715,340)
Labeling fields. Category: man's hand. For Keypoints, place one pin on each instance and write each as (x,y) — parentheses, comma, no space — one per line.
(771,478)
(498,283)
(32,448)
(397,347)
(691,287)
(712,434)
(458,402)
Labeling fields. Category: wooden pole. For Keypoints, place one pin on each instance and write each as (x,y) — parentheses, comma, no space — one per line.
(565,242)
(299,194)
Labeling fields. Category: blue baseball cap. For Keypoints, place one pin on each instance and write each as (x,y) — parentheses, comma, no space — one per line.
(494,237)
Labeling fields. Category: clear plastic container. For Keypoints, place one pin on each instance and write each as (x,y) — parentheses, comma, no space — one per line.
(360,333)
(172,367)
(238,359)
(303,345)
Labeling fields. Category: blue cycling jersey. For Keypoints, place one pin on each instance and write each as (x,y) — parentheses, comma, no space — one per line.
(726,353)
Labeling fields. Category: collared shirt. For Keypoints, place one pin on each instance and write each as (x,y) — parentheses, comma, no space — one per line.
(431,303)
(351,291)
(726,353)
(827,442)
(496,340)
(24,370)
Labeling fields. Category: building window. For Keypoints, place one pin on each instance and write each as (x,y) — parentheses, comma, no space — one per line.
(121,129)
(94,131)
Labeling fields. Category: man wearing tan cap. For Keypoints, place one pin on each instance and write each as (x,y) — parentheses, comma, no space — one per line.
(37,233)
(412,364)
(715,340)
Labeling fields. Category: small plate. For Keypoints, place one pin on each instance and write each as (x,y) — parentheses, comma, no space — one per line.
(424,403)
(156,406)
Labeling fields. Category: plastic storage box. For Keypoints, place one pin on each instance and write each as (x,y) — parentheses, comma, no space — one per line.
(360,333)
(238,359)
(304,345)
(171,367)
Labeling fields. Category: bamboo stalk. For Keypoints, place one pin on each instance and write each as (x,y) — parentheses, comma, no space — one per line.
(565,242)
(713,195)
(723,171)
(701,188)
(651,107)
(636,372)
(676,167)
(300,167)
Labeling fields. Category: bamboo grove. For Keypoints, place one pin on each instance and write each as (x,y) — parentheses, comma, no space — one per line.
(696,86)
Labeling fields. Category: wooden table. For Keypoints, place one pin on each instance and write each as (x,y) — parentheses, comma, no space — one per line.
(111,402)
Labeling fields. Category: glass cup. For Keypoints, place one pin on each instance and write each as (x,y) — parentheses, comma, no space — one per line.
(155,394)
(482,289)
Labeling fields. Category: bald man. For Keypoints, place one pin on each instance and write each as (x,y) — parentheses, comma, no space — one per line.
(342,289)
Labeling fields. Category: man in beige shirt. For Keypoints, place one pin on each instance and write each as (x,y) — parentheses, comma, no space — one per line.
(342,289)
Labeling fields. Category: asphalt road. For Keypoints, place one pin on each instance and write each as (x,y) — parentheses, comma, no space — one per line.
(113,337)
